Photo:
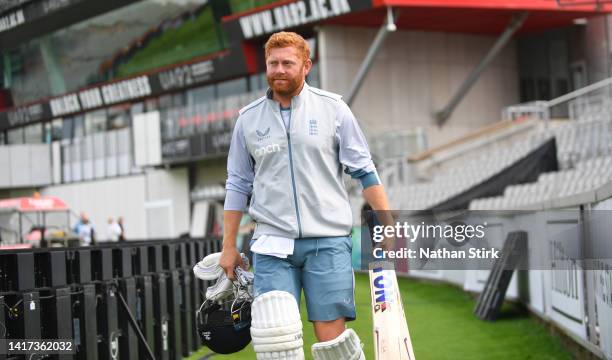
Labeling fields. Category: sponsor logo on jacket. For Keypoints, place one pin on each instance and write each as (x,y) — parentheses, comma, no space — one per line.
(268,149)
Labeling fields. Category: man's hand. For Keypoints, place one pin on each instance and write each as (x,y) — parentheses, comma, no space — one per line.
(230,258)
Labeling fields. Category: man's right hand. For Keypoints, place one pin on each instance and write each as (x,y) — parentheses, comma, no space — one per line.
(230,258)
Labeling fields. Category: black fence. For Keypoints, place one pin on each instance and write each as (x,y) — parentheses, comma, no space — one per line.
(97,295)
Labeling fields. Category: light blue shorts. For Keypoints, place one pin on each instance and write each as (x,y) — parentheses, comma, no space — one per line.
(322,267)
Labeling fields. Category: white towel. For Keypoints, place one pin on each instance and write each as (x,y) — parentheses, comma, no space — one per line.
(280,247)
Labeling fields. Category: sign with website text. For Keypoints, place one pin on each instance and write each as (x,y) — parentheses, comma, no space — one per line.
(292,15)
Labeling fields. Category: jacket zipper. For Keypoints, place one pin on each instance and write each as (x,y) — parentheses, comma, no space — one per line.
(297,210)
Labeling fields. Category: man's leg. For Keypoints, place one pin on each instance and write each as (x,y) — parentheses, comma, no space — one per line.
(328,330)
(276,326)
(327,278)
(272,273)
(328,281)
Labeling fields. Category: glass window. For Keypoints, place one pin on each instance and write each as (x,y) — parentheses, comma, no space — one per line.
(95,122)
(152,104)
(169,124)
(2,138)
(178,99)
(313,76)
(118,117)
(53,131)
(15,136)
(137,108)
(33,134)
(165,102)
(232,87)
(201,95)
(79,128)
(258,82)
(67,128)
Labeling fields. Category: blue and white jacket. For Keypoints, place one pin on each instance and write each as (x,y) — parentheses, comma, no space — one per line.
(293,172)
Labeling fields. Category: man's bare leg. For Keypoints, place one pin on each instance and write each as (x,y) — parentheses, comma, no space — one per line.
(328,330)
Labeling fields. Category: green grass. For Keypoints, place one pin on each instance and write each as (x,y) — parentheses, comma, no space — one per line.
(442,326)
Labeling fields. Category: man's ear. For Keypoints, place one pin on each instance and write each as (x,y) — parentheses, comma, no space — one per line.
(307,66)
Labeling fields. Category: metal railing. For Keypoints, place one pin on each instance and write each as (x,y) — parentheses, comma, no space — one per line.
(583,99)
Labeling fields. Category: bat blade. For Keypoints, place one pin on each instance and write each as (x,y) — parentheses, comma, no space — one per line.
(391,335)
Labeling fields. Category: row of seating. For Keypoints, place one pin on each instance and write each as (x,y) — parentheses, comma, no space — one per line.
(584,139)
(584,152)
(588,175)
(453,181)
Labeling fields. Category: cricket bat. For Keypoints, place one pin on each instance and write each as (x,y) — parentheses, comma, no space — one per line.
(391,336)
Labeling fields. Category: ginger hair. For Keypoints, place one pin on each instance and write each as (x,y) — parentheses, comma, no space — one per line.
(288,39)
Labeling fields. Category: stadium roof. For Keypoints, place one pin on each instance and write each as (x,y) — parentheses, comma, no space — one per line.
(489,17)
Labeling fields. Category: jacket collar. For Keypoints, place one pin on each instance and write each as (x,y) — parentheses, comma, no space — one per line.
(297,100)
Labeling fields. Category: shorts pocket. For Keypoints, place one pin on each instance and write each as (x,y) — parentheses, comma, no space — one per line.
(348,241)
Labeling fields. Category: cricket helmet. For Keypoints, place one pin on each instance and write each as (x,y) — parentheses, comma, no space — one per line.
(225,329)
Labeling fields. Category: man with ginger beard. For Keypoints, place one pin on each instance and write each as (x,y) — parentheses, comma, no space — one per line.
(288,151)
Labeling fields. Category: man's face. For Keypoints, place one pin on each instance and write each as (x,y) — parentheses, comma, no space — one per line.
(286,70)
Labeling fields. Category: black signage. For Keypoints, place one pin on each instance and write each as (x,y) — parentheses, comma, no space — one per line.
(186,75)
(176,149)
(28,114)
(176,78)
(218,142)
(198,146)
(293,14)
(11,20)
(31,11)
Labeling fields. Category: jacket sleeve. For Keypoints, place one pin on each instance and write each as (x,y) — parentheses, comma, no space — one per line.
(240,171)
(354,152)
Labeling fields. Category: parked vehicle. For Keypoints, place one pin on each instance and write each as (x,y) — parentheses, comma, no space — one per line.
(35,222)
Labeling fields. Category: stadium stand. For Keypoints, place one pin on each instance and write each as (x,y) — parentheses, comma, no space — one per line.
(471,169)
(583,151)
(585,159)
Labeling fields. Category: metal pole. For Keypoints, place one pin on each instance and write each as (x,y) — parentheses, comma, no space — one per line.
(134,324)
(580,92)
(384,30)
(515,24)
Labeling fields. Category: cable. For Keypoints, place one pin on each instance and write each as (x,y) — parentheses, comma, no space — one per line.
(9,293)
(134,323)
(17,303)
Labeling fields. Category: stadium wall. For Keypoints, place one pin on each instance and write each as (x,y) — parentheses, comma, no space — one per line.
(579,306)
(154,205)
(414,75)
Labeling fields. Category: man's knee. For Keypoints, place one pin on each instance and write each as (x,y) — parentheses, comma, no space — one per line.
(276,327)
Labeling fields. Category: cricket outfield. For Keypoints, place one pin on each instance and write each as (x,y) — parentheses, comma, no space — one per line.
(442,326)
